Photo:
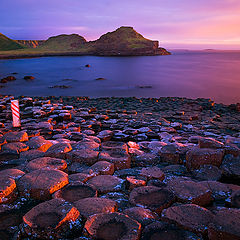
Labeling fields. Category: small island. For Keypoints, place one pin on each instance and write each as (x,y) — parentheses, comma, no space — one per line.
(124,41)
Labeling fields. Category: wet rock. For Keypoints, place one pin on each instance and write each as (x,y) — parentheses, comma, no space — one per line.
(29,78)
(208,173)
(8,79)
(152,172)
(154,198)
(7,189)
(209,143)
(109,145)
(107,183)
(39,143)
(94,205)
(202,156)
(16,137)
(80,177)
(112,226)
(234,200)
(231,167)
(135,181)
(220,191)
(54,219)
(225,225)
(145,159)
(141,215)
(76,191)
(85,144)
(102,168)
(14,147)
(170,154)
(178,170)
(31,154)
(61,86)
(84,156)
(58,150)
(118,157)
(190,192)
(162,230)
(105,135)
(40,184)
(232,149)
(197,221)
(46,162)
(12,173)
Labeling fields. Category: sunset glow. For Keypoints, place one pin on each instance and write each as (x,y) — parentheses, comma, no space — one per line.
(175,23)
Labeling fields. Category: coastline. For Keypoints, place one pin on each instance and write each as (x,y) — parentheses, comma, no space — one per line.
(64,54)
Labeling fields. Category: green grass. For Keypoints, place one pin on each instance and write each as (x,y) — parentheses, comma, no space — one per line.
(7,44)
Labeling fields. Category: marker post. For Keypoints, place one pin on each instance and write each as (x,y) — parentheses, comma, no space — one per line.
(15,113)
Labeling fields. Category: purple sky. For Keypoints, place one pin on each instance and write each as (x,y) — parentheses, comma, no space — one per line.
(175,23)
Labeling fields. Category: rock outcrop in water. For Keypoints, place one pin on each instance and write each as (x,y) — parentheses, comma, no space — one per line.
(126,41)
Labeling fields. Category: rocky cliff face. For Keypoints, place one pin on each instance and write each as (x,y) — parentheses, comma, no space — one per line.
(126,41)
(31,43)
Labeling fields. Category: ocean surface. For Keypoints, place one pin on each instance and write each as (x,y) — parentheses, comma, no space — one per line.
(192,74)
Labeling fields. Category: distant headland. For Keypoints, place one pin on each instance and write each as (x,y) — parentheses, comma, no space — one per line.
(124,41)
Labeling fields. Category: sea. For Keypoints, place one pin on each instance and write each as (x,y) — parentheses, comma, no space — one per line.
(193,74)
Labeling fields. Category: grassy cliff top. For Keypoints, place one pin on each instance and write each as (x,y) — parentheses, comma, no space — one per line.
(64,42)
(7,44)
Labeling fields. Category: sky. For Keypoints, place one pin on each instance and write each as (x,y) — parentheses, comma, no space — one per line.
(190,24)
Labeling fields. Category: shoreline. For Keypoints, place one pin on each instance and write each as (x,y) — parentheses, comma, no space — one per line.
(139,163)
(65,54)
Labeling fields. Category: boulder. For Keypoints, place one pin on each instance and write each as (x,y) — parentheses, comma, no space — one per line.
(58,150)
(118,157)
(152,172)
(141,215)
(109,145)
(231,167)
(76,191)
(202,156)
(84,156)
(46,162)
(209,143)
(107,183)
(15,137)
(54,219)
(39,143)
(189,216)
(165,231)
(112,226)
(40,184)
(102,168)
(153,198)
(225,225)
(7,189)
(190,192)
(14,147)
(94,205)
(208,173)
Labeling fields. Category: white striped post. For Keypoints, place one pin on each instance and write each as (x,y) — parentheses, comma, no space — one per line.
(15,113)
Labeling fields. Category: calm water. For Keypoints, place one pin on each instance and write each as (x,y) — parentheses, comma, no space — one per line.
(214,75)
